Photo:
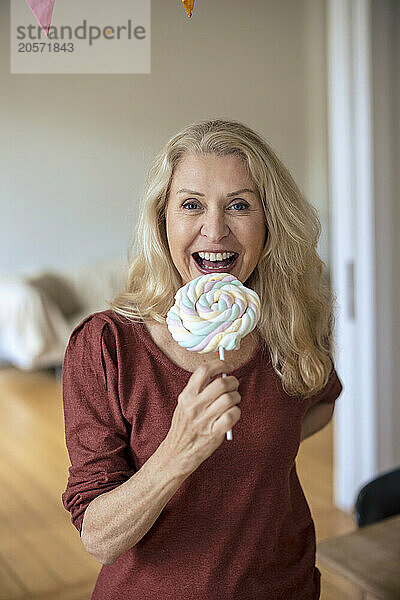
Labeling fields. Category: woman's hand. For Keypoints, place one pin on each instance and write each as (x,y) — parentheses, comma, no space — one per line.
(204,413)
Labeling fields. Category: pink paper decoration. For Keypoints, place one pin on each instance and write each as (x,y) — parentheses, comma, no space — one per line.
(43,10)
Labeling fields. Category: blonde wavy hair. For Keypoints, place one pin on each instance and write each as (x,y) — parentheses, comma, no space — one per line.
(297,319)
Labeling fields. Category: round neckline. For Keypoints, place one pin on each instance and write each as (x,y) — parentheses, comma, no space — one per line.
(171,365)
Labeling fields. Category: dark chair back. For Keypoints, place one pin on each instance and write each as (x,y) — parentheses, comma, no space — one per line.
(379,499)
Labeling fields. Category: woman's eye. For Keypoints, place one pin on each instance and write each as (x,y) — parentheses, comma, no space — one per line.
(242,205)
(191,203)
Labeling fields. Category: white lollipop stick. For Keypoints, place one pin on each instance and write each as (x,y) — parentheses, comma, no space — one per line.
(222,357)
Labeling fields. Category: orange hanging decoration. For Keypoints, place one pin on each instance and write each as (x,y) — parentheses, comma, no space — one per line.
(188,4)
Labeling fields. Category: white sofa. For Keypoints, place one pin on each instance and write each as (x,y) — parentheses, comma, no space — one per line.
(38,311)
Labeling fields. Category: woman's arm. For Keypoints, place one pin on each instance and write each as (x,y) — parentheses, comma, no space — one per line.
(115,521)
(316,418)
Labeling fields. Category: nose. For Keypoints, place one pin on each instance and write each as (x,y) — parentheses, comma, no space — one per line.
(214,226)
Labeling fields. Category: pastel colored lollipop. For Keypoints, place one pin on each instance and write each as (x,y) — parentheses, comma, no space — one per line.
(213,312)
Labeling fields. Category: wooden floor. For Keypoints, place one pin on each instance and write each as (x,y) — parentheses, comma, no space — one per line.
(41,555)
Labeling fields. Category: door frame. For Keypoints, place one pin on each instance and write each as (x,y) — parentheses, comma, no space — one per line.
(363,442)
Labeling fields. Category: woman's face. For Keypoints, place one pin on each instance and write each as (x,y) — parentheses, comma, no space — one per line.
(214,208)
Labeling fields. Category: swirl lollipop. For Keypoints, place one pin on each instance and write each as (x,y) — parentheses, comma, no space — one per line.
(213,312)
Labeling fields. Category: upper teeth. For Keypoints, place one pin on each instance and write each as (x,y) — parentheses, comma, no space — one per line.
(212,256)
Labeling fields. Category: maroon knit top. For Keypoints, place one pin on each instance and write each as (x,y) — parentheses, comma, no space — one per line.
(239,527)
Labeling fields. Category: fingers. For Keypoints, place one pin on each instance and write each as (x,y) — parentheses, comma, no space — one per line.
(207,407)
(226,421)
(204,374)
(225,401)
(221,386)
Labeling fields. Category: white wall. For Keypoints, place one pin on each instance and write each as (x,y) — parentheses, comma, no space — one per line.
(74,148)
(364,104)
(396,238)
(386,115)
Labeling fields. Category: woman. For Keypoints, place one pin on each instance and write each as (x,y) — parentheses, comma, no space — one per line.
(169,507)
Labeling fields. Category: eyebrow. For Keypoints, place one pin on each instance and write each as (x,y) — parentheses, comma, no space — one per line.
(186,191)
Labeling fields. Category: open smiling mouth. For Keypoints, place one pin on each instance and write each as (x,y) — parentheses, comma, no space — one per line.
(207,266)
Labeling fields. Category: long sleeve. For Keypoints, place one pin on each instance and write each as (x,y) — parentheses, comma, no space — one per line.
(330,392)
(96,433)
